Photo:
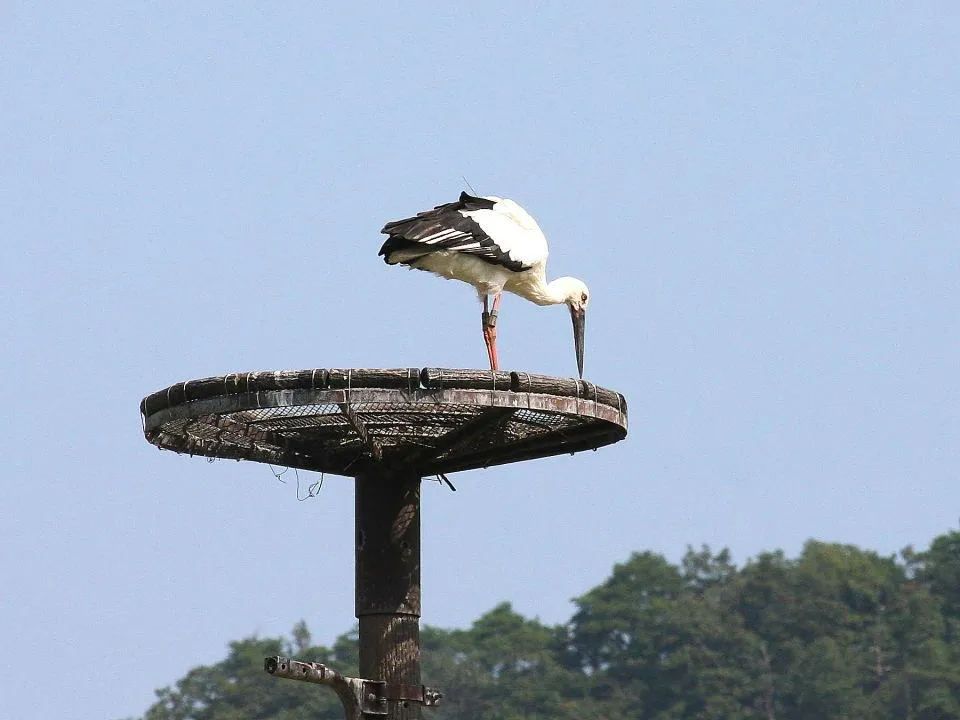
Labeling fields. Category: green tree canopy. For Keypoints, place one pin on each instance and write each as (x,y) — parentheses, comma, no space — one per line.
(837,632)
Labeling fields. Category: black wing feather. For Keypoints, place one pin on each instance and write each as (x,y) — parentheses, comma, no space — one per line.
(445,228)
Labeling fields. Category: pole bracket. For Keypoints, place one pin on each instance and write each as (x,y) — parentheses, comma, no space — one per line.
(360,698)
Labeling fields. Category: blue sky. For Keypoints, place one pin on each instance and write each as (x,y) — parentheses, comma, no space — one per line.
(763,201)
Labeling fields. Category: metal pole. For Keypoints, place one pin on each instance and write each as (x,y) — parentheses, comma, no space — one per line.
(388,585)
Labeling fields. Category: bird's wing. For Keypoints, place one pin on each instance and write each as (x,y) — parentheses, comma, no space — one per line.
(472,225)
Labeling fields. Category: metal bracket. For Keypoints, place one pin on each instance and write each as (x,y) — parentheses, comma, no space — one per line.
(360,698)
(377,693)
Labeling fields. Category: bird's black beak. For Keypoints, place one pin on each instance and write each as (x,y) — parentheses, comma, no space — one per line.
(579,316)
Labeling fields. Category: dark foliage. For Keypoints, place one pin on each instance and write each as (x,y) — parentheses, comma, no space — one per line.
(838,632)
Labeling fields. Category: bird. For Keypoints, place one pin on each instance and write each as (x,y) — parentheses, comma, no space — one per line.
(494,245)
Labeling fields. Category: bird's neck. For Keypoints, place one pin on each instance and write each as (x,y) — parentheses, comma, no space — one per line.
(541,292)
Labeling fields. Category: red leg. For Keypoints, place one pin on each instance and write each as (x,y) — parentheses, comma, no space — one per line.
(494,311)
(490,330)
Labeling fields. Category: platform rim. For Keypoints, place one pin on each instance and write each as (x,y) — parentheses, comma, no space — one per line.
(604,424)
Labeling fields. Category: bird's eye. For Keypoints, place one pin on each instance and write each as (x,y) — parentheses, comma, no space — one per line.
(583,297)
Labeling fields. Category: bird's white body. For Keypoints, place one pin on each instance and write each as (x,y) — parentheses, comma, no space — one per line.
(491,243)
(516,234)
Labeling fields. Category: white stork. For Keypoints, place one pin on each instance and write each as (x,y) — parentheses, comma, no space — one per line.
(493,244)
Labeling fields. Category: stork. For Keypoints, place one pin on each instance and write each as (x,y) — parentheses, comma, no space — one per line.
(493,244)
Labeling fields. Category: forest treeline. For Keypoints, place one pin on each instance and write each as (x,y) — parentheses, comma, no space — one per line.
(837,632)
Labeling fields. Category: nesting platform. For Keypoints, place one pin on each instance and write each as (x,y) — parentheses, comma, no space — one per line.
(355,421)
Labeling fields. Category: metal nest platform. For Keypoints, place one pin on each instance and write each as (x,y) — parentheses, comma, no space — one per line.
(350,422)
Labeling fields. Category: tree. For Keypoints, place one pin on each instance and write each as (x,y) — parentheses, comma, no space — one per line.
(503,667)
(837,632)
(667,642)
(824,682)
(237,688)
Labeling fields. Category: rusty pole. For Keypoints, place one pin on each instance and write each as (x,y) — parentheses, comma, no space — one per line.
(388,586)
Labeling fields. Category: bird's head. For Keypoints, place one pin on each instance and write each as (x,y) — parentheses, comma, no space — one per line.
(577,298)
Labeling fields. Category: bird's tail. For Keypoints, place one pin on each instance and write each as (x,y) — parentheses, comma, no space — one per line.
(399,250)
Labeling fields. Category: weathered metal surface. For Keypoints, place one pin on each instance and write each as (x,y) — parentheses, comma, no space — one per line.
(233,384)
(567,387)
(387,545)
(361,430)
(401,379)
(390,651)
(442,378)
(297,419)
(347,689)
(360,698)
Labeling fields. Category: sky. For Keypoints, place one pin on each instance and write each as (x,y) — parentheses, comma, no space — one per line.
(763,200)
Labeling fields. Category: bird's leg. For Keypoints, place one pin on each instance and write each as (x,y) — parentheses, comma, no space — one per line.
(489,319)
